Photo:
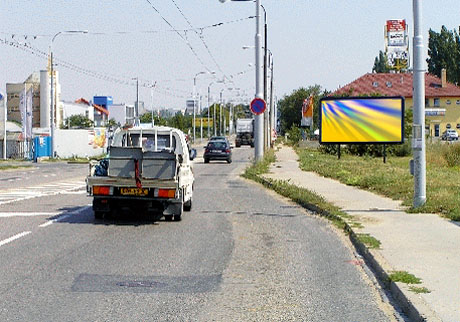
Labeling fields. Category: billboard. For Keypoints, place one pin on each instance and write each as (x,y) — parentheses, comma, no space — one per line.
(397,44)
(307,112)
(362,120)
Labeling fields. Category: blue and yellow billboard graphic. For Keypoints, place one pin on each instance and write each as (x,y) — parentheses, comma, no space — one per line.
(362,120)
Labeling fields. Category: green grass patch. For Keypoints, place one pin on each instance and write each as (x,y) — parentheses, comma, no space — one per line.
(14,167)
(369,241)
(419,290)
(392,179)
(404,277)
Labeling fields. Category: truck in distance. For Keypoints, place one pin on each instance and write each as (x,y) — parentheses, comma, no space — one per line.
(244,132)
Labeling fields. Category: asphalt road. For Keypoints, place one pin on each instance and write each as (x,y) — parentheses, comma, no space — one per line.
(241,254)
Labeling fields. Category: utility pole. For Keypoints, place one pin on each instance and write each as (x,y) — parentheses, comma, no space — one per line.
(418,129)
(4,123)
(259,119)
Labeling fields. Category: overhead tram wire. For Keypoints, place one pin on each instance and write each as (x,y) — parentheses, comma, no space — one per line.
(118,79)
(182,37)
(200,34)
(215,25)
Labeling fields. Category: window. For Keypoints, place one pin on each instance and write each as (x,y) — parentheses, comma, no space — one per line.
(437,102)
(458,102)
(448,102)
(458,125)
(375,84)
(389,84)
(427,102)
(448,126)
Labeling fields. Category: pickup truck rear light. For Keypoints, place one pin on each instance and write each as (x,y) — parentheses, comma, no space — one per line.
(102,190)
(165,193)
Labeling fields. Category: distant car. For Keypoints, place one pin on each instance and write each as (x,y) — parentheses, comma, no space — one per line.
(218,138)
(449,135)
(218,150)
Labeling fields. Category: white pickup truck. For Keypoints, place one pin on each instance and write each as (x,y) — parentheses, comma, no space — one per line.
(147,171)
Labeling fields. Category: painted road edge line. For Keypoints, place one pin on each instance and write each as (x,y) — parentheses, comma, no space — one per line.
(9,240)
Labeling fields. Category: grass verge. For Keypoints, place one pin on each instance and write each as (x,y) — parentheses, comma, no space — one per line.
(369,241)
(303,197)
(404,277)
(392,179)
(419,290)
(14,167)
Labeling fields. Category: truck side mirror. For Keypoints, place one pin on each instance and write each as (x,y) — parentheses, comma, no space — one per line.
(192,154)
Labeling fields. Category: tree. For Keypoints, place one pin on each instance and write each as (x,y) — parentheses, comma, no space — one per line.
(290,106)
(181,122)
(79,121)
(381,64)
(444,52)
(147,118)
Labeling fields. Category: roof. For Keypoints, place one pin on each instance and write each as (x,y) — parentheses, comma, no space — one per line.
(392,84)
(97,107)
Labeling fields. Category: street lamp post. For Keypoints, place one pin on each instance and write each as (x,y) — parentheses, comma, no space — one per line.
(2,96)
(194,97)
(259,125)
(209,106)
(418,134)
(52,112)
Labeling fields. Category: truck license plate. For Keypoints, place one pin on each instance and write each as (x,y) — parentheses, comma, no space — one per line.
(134,191)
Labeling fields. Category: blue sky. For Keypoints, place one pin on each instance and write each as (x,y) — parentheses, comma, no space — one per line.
(329,43)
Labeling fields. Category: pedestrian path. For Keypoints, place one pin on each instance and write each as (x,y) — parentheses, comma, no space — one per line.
(425,245)
(68,186)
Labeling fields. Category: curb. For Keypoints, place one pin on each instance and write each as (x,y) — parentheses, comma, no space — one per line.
(414,307)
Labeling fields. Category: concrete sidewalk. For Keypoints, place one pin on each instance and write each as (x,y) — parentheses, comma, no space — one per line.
(425,245)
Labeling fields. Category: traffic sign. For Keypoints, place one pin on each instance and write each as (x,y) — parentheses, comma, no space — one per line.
(258,106)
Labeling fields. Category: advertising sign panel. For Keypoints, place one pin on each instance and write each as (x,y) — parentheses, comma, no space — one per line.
(307,112)
(397,44)
(362,120)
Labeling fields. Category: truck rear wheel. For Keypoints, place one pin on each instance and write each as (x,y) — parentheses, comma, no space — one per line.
(98,215)
(188,205)
(168,217)
(177,217)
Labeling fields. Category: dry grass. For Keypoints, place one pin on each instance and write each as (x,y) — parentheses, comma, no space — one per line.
(392,179)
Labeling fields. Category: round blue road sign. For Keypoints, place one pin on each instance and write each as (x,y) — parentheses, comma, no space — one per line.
(258,106)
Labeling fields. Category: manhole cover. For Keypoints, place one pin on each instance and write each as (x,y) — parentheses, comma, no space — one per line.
(141,284)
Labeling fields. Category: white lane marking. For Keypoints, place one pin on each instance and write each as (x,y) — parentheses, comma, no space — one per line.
(77,212)
(82,192)
(27,214)
(9,240)
(56,189)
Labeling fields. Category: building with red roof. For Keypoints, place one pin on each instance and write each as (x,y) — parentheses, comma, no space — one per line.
(442,99)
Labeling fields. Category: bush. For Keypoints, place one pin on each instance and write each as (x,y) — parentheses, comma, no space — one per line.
(401,150)
(294,135)
(372,150)
(451,154)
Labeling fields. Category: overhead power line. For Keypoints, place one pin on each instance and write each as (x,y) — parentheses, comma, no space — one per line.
(16,35)
(118,79)
(200,34)
(182,37)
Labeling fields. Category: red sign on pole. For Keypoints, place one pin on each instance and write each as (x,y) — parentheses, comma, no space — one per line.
(258,106)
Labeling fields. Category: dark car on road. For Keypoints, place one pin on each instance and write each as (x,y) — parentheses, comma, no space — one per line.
(218,150)
(219,138)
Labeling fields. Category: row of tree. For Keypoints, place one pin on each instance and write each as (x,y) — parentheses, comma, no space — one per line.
(443,52)
(179,120)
